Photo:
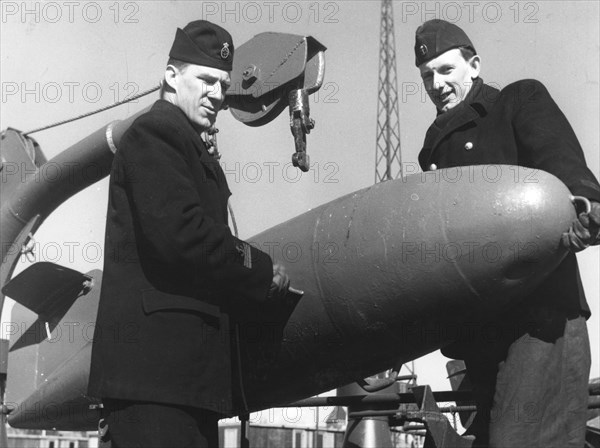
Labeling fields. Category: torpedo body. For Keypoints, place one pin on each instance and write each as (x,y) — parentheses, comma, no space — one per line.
(398,270)
(389,273)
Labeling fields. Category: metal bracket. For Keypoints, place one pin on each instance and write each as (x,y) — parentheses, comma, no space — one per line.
(272,71)
(300,125)
(440,433)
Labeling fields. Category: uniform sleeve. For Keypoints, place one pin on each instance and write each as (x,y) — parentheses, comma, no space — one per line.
(176,238)
(548,140)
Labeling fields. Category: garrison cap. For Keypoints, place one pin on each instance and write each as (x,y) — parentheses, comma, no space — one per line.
(437,36)
(203,43)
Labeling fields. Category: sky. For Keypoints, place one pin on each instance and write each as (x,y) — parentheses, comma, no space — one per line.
(61,59)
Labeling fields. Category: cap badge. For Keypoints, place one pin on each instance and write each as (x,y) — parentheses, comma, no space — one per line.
(423,49)
(225,51)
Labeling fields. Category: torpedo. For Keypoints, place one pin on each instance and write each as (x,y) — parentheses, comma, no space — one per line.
(388,274)
(400,269)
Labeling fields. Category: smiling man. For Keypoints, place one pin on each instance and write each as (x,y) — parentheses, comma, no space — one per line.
(530,380)
(173,272)
(449,77)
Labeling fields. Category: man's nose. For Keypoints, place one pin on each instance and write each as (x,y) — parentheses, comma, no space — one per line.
(438,81)
(216,92)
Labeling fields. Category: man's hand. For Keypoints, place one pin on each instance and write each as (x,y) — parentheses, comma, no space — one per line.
(279,286)
(585,230)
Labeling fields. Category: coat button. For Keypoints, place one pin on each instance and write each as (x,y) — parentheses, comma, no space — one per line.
(433,167)
(468,146)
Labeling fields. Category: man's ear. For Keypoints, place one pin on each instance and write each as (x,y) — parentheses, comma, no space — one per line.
(171,75)
(475,66)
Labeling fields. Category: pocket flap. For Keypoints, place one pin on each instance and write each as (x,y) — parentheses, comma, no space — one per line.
(154,300)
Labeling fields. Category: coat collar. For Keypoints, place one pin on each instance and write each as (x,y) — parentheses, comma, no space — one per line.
(174,111)
(477,104)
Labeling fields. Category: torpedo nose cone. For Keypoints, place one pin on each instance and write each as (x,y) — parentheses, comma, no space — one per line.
(510,220)
(478,234)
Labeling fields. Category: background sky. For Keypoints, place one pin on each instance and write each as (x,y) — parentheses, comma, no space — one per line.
(61,59)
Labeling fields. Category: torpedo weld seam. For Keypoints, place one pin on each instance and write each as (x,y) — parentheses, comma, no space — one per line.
(357,198)
(330,308)
(314,259)
(385,251)
(447,241)
(326,303)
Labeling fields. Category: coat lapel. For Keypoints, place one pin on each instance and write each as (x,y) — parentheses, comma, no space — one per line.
(208,161)
(436,135)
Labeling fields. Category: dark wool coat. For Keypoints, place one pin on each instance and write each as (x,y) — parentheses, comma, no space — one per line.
(520,125)
(172,271)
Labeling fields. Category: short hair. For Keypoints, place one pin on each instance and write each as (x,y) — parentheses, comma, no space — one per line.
(467,52)
(180,65)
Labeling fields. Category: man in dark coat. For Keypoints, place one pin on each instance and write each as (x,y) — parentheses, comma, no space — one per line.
(530,380)
(173,271)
